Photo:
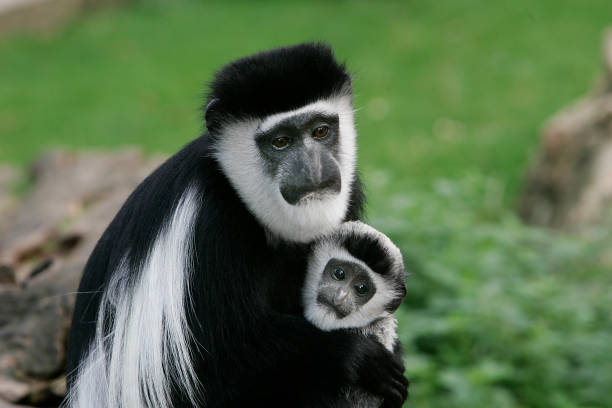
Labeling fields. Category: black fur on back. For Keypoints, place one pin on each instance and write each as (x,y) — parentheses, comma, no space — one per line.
(275,81)
(132,231)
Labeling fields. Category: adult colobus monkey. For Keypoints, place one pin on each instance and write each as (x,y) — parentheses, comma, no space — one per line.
(192,297)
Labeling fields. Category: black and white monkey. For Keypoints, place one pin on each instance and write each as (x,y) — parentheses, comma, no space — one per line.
(192,296)
(355,280)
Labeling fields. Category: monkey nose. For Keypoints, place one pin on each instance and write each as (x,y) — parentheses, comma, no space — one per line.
(340,296)
(293,193)
(311,176)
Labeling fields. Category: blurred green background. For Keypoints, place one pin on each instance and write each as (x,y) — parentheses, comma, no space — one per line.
(451,97)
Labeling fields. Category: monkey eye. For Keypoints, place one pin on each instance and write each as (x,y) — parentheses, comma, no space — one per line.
(338,274)
(320,132)
(280,143)
(362,288)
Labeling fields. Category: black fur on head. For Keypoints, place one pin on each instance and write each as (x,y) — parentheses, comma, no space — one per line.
(371,251)
(274,81)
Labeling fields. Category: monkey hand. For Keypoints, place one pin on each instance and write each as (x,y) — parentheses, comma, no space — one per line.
(379,372)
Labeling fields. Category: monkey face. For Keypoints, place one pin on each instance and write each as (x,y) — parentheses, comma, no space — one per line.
(301,153)
(345,287)
(294,170)
(355,276)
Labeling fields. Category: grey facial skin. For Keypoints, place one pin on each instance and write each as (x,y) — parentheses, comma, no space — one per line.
(305,163)
(345,287)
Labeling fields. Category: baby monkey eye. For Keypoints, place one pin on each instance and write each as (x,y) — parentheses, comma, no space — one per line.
(361,288)
(280,142)
(338,274)
(320,132)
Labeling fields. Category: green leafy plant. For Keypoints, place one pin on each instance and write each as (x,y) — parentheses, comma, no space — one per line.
(497,314)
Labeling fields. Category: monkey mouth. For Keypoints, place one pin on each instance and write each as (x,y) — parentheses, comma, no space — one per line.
(309,196)
(315,196)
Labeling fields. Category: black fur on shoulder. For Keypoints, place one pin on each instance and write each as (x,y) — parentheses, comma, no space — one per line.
(357,200)
(274,81)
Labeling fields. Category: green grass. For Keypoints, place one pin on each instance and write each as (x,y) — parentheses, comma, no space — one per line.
(446,87)
(497,314)
(452,95)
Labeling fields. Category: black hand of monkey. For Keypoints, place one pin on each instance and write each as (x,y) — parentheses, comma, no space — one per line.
(380,373)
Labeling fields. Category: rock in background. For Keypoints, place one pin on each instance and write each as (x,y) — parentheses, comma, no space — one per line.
(45,240)
(570,184)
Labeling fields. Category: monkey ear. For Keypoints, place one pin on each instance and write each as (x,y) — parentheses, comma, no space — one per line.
(210,113)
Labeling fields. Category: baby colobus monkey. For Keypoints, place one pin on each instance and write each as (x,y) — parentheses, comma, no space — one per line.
(356,280)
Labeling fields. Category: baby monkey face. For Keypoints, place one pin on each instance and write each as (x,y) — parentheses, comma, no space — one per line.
(344,287)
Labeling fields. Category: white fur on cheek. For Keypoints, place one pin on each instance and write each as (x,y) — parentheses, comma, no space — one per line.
(239,156)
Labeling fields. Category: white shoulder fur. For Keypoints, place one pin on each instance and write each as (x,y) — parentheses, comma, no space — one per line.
(130,366)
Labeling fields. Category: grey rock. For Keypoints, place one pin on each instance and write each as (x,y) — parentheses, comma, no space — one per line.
(569,184)
(44,245)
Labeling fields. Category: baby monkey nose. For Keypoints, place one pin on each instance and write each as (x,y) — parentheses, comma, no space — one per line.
(340,296)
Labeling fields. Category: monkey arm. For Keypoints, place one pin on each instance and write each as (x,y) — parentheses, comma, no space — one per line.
(319,364)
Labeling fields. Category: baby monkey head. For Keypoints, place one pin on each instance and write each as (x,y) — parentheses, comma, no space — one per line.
(355,276)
